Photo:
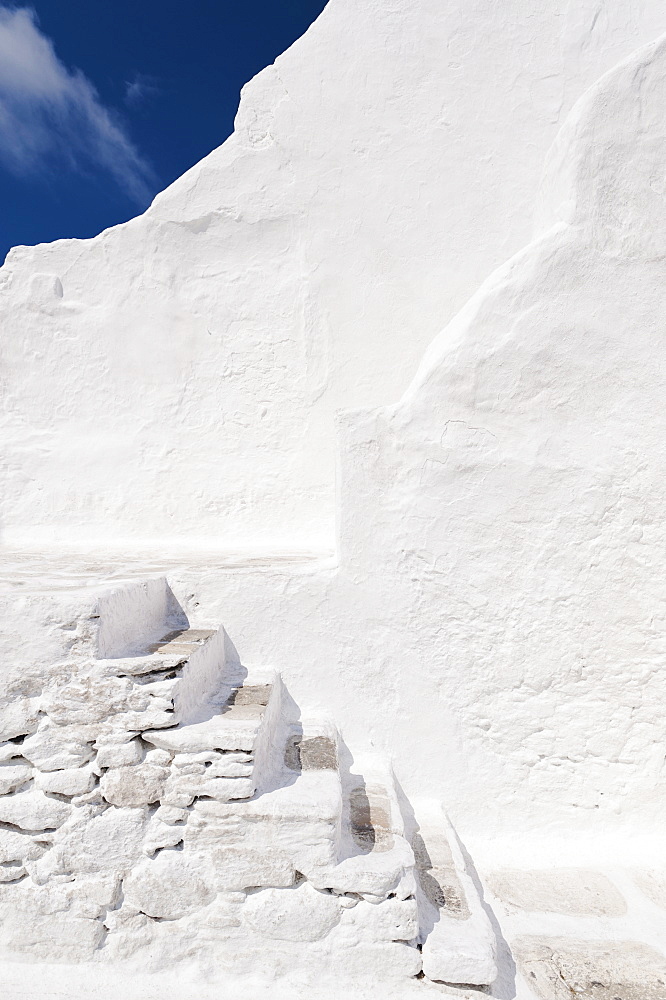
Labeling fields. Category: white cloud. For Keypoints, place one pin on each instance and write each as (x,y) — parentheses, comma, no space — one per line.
(140,89)
(50,116)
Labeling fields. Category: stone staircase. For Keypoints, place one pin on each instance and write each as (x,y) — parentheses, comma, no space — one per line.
(163,807)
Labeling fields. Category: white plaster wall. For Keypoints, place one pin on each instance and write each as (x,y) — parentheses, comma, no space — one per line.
(176,378)
(496,622)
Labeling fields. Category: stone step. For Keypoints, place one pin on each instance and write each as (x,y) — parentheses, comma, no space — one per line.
(174,677)
(375,861)
(374,874)
(458,942)
(227,752)
(292,826)
(181,641)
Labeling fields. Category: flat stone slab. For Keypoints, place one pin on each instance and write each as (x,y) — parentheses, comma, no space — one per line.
(315,748)
(235,727)
(573,891)
(458,939)
(300,819)
(136,666)
(370,818)
(438,877)
(220,732)
(181,642)
(33,810)
(250,694)
(561,969)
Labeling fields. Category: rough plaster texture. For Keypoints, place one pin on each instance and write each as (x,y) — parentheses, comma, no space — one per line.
(491,619)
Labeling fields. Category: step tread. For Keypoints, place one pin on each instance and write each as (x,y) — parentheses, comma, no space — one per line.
(459,944)
(233,726)
(185,641)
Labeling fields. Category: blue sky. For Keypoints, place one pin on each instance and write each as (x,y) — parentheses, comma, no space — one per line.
(105,102)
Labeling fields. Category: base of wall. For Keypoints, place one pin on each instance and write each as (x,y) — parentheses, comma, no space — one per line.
(561,932)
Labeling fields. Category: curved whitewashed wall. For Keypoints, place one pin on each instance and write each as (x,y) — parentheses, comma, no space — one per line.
(518,489)
(496,620)
(176,378)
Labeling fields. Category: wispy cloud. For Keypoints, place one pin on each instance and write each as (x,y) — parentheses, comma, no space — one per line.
(140,89)
(50,115)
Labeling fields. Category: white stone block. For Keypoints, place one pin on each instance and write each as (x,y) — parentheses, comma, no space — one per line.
(458,942)
(87,699)
(460,951)
(182,760)
(73,781)
(367,874)
(59,939)
(182,788)
(238,868)
(18,718)
(223,768)
(11,871)
(15,846)
(119,754)
(171,814)
(138,785)
(375,962)
(296,914)
(9,751)
(137,666)
(170,886)
(220,732)
(32,810)
(55,749)
(160,835)
(109,841)
(160,758)
(389,920)
(301,819)
(13,775)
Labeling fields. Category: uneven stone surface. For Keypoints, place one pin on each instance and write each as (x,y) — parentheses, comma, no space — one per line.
(70,782)
(592,970)
(18,718)
(55,749)
(31,809)
(168,887)
(243,868)
(561,890)
(296,914)
(12,775)
(137,785)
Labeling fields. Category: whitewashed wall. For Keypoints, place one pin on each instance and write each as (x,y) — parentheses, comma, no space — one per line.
(176,378)
(496,622)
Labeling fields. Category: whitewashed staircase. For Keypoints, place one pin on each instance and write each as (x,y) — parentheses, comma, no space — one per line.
(164,807)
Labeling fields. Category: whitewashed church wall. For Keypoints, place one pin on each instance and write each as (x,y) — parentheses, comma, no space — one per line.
(175,380)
